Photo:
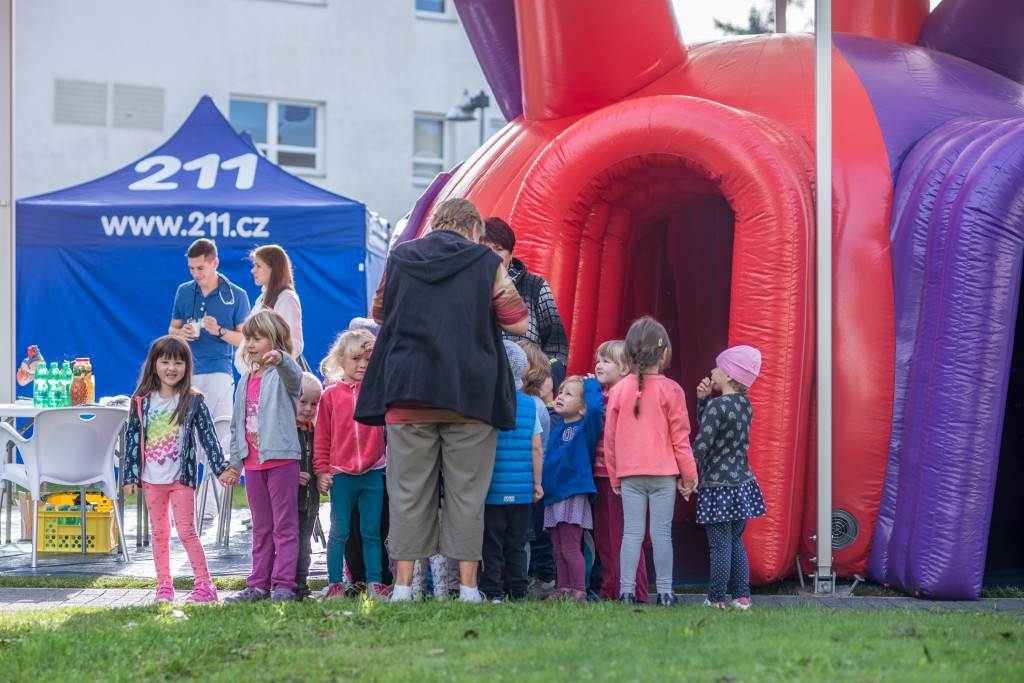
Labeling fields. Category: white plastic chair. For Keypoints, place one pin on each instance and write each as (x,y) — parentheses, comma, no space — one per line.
(70,446)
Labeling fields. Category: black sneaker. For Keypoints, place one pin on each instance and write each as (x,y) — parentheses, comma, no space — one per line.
(666,600)
(627,599)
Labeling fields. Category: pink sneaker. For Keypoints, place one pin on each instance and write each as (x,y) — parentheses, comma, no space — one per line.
(164,593)
(716,605)
(204,592)
(378,591)
(336,591)
(741,603)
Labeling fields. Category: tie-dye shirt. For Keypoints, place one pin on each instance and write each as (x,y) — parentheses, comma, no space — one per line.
(163,441)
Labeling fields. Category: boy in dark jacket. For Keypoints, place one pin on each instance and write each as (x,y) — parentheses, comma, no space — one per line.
(309,497)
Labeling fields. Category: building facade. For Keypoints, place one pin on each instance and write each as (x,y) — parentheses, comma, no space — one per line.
(350,95)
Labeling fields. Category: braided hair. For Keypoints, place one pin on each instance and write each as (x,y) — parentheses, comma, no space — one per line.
(646,341)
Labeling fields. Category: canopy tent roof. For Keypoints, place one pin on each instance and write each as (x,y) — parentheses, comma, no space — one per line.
(98,263)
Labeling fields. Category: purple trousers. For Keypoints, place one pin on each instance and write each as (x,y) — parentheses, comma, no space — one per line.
(275,525)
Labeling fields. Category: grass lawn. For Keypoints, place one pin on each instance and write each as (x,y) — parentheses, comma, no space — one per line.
(527,641)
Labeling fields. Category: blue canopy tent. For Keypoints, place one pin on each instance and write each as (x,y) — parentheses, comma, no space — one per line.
(98,264)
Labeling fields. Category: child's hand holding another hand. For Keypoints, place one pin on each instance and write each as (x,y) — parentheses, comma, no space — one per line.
(685,488)
(324,482)
(704,388)
(229,477)
(304,478)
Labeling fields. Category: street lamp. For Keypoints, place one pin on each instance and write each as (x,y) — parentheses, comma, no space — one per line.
(465,109)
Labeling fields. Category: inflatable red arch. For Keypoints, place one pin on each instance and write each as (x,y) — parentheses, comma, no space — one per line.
(730,192)
(678,182)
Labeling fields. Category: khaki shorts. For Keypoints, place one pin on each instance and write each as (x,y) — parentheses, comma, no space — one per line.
(416,454)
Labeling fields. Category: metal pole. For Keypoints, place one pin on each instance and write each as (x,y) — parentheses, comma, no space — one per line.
(780,15)
(8,356)
(824,578)
(482,124)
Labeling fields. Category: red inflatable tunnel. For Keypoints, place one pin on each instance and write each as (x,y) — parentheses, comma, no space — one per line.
(729,193)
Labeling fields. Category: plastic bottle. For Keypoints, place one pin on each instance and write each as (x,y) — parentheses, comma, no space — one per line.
(53,387)
(41,386)
(89,381)
(79,388)
(65,384)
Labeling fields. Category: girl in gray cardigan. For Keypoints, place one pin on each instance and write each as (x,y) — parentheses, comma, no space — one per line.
(264,441)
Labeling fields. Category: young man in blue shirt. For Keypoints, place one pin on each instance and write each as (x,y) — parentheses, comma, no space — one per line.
(208,313)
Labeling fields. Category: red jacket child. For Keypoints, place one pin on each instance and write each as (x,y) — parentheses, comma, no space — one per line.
(340,444)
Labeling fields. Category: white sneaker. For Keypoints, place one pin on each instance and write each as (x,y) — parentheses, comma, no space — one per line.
(741,603)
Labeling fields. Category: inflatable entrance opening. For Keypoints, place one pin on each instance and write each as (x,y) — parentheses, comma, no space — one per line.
(700,215)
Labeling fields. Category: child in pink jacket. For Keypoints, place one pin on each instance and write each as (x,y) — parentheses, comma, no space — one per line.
(348,461)
(647,452)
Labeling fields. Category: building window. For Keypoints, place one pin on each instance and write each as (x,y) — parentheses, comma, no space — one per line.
(290,134)
(436,6)
(435,9)
(427,147)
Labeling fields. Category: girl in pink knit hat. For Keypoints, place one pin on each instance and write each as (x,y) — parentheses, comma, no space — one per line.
(728,492)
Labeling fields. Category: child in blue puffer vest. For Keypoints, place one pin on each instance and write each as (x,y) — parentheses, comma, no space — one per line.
(515,487)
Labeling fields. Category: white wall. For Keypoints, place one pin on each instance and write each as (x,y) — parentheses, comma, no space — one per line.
(373,62)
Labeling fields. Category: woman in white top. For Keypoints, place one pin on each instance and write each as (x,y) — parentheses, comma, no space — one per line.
(272,270)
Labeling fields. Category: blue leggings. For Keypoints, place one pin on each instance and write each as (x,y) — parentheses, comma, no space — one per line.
(366,491)
(728,558)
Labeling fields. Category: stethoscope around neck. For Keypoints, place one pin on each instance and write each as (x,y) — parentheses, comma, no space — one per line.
(220,293)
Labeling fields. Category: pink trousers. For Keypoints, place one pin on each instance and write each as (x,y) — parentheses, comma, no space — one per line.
(182,500)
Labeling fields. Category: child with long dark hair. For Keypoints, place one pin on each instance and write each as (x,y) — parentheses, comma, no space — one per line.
(166,418)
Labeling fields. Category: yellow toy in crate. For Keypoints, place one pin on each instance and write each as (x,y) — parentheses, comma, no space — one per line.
(60,530)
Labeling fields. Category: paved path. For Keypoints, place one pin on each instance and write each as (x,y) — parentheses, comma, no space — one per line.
(60,598)
(236,561)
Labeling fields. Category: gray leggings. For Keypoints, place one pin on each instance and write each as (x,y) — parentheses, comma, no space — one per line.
(637,493)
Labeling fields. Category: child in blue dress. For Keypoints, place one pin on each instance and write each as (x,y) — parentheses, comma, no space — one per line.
(728,493)
(568,480)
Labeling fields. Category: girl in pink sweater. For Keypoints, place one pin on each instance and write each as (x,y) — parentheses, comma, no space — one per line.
(648,456)
(348,461)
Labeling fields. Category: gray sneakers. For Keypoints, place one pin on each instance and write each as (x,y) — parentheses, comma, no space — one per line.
(250,594)
(283,595)
(540,590)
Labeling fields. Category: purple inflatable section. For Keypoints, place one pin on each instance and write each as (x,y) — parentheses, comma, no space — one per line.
(958,251)
(986,32)
(925,195)
(420,208)
(914,89)
(491,27)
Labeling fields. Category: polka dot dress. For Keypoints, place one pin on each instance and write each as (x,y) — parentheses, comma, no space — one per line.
(727,489)
(723,504)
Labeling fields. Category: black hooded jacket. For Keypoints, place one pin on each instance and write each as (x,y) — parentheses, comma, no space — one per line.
(440,341)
